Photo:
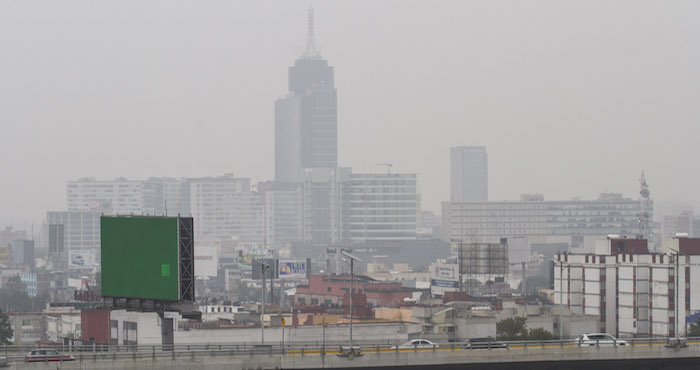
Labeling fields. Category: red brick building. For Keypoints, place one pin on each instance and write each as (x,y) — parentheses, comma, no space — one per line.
(330,289)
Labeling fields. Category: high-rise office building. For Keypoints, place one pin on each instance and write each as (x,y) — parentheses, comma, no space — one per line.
(306,122)
(469,174)
(225,207)
(326,205)
(119,196)
(383,206)
(284,211)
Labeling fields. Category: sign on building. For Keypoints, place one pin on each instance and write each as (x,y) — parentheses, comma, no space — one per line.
(444,277)
(81,259)
(293,269)
(206,259)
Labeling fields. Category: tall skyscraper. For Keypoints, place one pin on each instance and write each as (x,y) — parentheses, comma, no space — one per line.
(306,122)
(469,174)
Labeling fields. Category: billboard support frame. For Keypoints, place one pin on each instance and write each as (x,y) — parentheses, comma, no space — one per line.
(186,252)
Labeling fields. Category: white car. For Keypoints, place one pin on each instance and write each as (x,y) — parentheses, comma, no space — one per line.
(419,343)
(599,339)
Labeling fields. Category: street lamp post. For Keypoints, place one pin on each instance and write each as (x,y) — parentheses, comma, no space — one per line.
(263,266)
(352,278)
(676,310)
(561,294)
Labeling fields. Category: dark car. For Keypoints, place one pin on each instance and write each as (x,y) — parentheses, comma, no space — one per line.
(42,355)
(482,343)
(4,362)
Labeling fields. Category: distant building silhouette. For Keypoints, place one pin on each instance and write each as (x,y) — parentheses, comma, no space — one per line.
(469,174)
(306,122)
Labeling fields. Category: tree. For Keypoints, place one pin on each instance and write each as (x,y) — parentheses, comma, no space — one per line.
(512,329)
(5,329)
(540,334)
(533,283)
(14,297)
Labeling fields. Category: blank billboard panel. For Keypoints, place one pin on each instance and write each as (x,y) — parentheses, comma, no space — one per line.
(147,257)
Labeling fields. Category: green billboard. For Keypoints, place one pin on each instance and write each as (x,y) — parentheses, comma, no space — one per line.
(141,257)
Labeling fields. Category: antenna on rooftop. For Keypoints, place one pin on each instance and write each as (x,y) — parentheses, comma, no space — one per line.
(644,215)
(311,50)
(388,167)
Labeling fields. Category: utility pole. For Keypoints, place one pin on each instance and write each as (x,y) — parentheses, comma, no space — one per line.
(675,327)
(561,295)
(677,310)
(522,286)
(263,266)
(352,290)
(352,278)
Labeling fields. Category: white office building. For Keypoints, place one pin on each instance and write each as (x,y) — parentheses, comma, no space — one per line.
(166,196)
(119,196)
(383,207)
(284,212)
(541,221)
(73,230)
(226,208)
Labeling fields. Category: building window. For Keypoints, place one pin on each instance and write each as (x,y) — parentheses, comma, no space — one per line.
(26,322)
(130,333)
(329,289)
(113,332)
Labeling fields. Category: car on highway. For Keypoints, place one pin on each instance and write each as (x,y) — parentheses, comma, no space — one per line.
(419,343)
(482,343)
(46,355)
(599,339)
(4,362)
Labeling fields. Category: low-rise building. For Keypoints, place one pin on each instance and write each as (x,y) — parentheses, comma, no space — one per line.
(330,289)
(63,324)
(27,328)
(460,320)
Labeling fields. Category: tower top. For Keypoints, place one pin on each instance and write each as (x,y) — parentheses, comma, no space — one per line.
(311,51)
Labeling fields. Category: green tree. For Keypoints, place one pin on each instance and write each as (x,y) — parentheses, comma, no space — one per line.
(540,334)
(512,329)
(5,329)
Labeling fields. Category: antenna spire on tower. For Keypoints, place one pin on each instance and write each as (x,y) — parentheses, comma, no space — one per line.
(645,209)
(311,50)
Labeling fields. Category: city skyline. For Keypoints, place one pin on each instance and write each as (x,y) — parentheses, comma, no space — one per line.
(599,109)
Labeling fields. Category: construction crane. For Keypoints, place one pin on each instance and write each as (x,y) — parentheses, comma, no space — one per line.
(388,167)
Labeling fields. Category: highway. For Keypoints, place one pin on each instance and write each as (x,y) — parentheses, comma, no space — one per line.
(640,353)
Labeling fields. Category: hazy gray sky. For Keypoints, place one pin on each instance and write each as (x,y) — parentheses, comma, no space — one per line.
(571,98)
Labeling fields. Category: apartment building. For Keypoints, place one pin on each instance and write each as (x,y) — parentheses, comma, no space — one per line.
(635,292)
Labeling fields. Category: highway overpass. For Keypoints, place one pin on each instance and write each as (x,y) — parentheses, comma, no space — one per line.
(644,354)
